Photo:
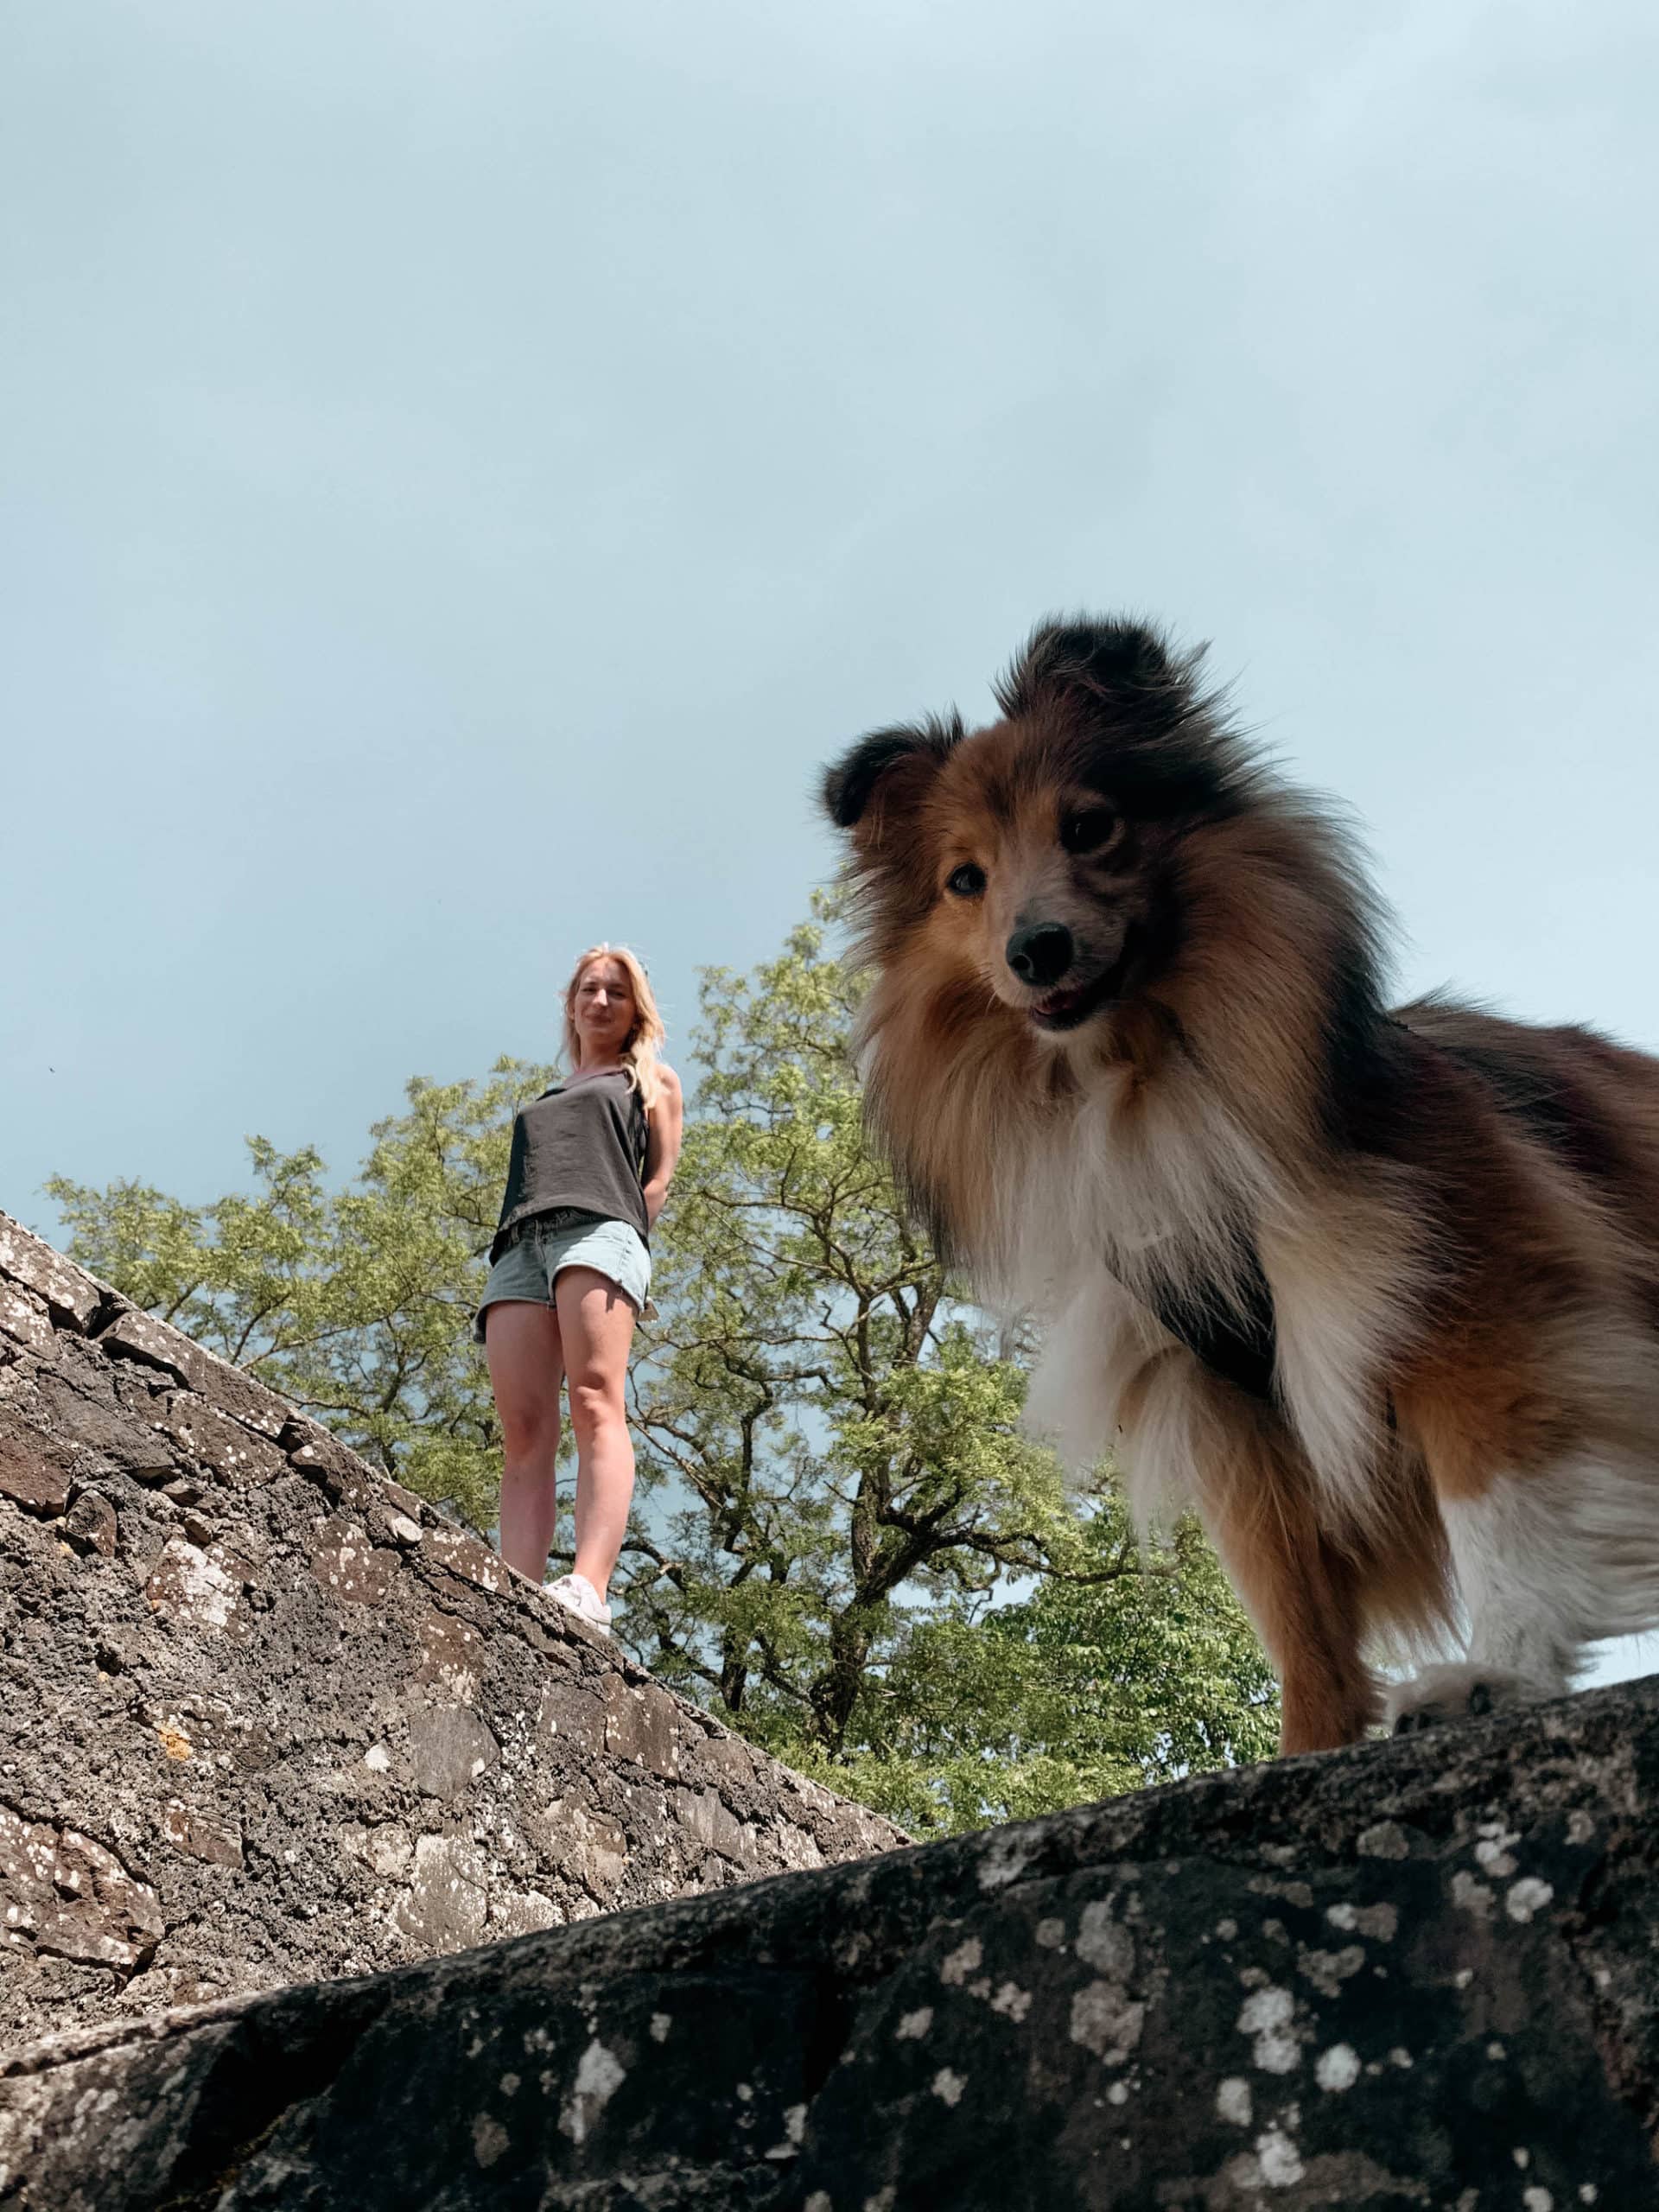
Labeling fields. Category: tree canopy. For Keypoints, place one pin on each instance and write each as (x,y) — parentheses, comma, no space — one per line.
(843,1543)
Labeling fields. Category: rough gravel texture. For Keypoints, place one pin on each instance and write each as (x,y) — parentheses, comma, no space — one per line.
(266,1718)
(1418,1975)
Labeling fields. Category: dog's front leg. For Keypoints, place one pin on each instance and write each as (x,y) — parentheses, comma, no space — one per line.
(1301,1592)
(1187,1435)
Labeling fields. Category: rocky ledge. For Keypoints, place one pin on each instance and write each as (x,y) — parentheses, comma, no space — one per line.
(1417,1974)
(266,1717)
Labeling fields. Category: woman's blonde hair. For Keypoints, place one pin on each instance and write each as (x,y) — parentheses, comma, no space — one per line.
(644,1048)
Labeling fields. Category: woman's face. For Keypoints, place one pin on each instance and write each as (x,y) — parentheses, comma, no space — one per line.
(604,1010)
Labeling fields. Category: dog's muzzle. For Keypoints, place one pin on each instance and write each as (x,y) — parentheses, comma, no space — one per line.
(1040,954)
(1044,956)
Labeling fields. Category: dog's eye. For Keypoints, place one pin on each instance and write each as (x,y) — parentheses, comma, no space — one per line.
(966,881)
(1088,829)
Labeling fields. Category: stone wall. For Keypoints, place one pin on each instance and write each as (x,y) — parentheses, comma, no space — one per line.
(1414,1977)
(265,1717)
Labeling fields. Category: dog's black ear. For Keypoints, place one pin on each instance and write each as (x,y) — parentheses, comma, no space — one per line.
(1125,663)
(888,768)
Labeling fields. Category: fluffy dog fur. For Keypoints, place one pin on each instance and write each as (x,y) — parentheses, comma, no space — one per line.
(1376,1293)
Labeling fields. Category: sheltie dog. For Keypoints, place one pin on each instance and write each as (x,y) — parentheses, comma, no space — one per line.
(1376,1293)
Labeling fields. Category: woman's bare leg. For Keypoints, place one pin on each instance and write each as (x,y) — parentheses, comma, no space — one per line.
(522,1345)
(596,1326)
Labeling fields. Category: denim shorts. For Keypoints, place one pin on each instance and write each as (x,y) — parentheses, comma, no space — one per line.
(548,1243)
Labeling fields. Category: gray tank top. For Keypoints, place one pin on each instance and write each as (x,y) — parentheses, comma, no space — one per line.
(581,1145)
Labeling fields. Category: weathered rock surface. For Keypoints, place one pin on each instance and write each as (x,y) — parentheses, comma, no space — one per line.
(265,1718)
(1418,1974)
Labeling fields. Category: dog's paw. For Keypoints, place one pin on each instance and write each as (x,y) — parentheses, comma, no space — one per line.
(1464,1692)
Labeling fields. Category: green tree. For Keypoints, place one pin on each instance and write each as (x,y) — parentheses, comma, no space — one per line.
(1078,1691)
(843,1543)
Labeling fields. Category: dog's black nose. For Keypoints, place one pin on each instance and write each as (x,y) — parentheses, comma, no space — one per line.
(1040,954)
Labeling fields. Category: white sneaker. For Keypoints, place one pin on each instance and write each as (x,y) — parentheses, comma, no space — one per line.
(576,1591)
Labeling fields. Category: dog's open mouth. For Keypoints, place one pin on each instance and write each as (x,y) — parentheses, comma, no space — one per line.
(1066,1009)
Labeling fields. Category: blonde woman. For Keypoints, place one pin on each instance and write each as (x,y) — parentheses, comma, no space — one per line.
(571,1270)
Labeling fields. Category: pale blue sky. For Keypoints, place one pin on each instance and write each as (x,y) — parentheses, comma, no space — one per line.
(464,467)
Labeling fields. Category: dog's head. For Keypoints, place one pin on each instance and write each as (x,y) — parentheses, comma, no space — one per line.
(1040,858)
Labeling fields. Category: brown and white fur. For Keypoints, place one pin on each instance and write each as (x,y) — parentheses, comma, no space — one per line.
(1376,1293)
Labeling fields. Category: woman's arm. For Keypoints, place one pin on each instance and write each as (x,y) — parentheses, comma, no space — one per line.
(663,1141)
